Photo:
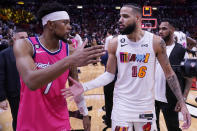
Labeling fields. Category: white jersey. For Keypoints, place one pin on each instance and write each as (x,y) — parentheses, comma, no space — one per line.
(160,79)
(79,40)
(181,38)
(134,89)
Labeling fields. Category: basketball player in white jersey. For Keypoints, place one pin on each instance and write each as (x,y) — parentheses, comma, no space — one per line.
(134,54)
(184,40)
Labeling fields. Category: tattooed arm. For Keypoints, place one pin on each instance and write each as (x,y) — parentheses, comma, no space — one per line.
(159,47)
(160,50)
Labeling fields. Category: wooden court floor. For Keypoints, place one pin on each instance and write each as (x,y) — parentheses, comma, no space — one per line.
(94,99)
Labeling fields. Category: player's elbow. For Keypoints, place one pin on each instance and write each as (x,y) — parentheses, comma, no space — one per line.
(30,83)
(32,88)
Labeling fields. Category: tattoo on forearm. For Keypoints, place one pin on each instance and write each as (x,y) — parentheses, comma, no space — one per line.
(175,87)
(167,62)
(163,45)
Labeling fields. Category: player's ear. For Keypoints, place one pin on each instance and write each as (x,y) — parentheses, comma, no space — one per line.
(50,25)
(138,18)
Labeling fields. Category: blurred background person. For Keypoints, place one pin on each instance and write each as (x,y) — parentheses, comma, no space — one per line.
(9,77)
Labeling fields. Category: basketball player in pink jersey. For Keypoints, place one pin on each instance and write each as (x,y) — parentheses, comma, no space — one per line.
(43,64)
(134,53)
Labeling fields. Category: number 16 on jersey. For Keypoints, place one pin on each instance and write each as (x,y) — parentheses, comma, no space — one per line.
(139,73)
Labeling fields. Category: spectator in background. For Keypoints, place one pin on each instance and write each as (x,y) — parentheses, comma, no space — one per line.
(108,38)
(165,99)
(94,43)
(184,40)
(9,78)
(78,38)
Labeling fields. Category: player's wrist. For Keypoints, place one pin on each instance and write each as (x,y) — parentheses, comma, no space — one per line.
(182,103)
(85,88)
(181,100)
(72,61)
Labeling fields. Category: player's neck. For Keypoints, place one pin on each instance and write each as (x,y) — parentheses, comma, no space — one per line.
(136,35)
(49,41)
(170,41)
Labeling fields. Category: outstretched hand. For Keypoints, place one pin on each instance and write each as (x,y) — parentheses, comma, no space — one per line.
(73,91)
(83,56)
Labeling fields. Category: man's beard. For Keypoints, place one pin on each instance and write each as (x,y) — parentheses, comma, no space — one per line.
(129,29)
(61,38)
(167,38)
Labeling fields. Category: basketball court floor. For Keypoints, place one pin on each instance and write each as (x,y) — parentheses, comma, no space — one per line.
(95,101)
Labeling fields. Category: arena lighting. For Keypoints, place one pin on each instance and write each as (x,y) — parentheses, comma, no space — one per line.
(117,7)
(154,8)
(20,3)
(79,7)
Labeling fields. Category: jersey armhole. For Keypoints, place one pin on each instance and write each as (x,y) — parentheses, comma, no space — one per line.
(34,51)
(117,49)
(67,49)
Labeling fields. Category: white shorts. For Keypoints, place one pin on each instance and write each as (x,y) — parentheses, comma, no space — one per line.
(138,126)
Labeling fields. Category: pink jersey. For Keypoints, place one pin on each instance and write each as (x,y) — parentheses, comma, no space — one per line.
(44,109)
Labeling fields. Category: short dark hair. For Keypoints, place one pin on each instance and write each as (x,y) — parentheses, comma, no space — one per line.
(20,29)
(110,31)
(48,8)
(136,8)
(170,21)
